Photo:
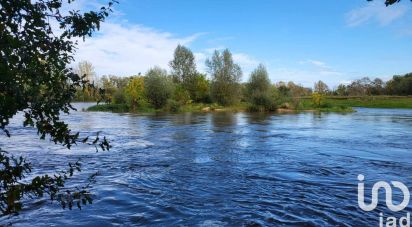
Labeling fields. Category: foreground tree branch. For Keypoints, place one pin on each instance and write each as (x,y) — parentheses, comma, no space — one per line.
(35,79)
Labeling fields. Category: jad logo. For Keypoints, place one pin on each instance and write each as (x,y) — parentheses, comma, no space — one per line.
(389,221)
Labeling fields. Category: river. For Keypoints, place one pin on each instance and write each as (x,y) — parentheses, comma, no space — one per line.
(224,169)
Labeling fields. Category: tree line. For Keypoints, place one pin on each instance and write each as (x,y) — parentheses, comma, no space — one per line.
(400,85)
(184,85)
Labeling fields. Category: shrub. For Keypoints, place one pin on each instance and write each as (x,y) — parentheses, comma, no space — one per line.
(318,99)
(158,87)
(119,97)
(259,92)
(173,106)
(181,95)
(135,92)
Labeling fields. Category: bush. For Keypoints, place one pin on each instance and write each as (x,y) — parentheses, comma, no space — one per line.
(259,91)
(262,101)
(158,87)
(135,92)
(181,95)
(202,93)
(173,106)
(318,99)
(119,97)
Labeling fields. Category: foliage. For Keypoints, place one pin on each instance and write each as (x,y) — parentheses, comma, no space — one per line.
(184,69)
(181,95)
(135,92)
(318,99)
(321,87)
(202,93)
(389,2)
(119,96)
(363,101)
(173,106)
(296,90)
(259,90)
(400,85)
(158,87)
(35,79)
(14,169)
(282,89)
(225,78)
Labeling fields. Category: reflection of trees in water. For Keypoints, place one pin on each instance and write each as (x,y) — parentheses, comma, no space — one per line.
(189,119)
(223,119)
(224,138)
(258,118)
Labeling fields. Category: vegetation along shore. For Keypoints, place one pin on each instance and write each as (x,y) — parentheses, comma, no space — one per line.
(184,89)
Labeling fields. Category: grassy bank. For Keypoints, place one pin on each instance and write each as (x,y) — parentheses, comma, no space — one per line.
(201,107)
(401,102)
(195,107)
(336,104)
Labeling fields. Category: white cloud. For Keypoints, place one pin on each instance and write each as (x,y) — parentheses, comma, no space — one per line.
(375,11)
(315,63)
(248,63)
(129,49)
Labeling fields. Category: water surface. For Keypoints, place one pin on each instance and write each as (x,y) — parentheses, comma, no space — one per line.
(224,169)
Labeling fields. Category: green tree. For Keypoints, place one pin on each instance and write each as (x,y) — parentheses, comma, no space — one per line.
(259,90)
(342,90)
(184,70)
(158,87)
(400,85)
(226,75)
(36,80)
(202,93)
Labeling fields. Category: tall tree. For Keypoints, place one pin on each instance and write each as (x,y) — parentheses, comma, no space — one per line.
(225,77)
(35,80)
(183,68)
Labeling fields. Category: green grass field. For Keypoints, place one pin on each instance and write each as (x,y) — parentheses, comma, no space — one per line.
(402,102)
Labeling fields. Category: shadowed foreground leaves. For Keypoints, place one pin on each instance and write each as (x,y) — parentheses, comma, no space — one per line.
(35,80)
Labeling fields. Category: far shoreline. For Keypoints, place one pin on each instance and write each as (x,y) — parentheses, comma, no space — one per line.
(334,104)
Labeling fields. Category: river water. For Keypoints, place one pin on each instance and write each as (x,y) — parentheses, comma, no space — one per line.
(224,169)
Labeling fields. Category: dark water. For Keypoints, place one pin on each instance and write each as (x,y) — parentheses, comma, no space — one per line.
(225,169)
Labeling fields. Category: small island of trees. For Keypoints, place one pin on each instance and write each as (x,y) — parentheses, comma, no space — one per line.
(185,89)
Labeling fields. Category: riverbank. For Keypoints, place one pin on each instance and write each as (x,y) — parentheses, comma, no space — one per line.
(391,102)
(201,107)
(195,107)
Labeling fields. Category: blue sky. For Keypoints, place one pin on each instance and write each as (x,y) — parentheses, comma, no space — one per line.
(297,40)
